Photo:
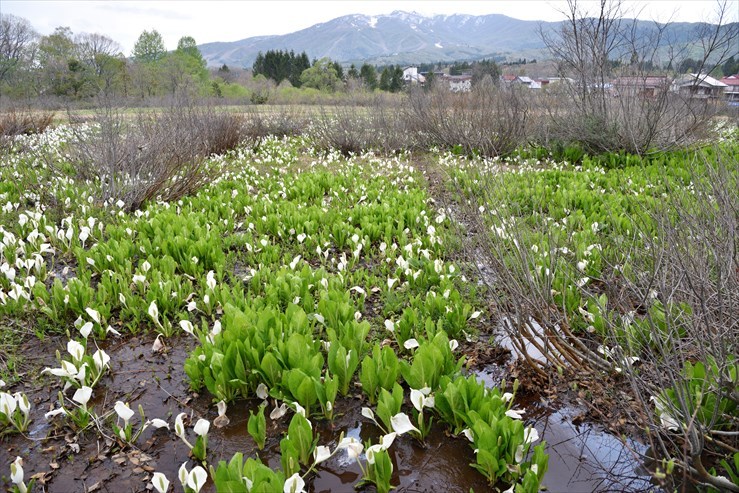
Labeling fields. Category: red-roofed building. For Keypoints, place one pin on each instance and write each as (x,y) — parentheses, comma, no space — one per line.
(731,91)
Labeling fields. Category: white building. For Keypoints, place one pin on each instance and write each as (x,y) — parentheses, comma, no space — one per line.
(411,76)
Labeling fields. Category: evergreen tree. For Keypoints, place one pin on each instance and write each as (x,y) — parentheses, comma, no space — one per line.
(485,67)
(353,73)
(298,65)
(385,79)
(368,74)
(460,68)
(730,66)
(279,65)
(396,83)
(430,80)
(687,66)
(339,70)
(258,67)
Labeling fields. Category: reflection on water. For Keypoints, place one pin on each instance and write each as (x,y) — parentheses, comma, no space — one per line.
(582,458)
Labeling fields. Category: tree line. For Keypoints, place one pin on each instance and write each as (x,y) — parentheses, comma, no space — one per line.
(78,66)
(324,74)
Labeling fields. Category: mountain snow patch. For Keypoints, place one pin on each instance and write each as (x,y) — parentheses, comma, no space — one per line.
(373,22)
(438,45)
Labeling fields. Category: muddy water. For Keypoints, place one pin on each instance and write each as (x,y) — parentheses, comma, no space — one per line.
(442,465)
(158,383)
(582,458)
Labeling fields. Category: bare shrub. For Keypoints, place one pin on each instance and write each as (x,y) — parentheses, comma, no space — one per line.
(488,121)
(613,94)
(522,291)
(667,293)
(689,270)
(16,122)
(153,155)
(24,122)
(628,119)
(278,121)
(354,129)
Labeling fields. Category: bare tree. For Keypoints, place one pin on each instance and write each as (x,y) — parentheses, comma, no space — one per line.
(584,48)
(488,121)
(151,155)
(93,48)
(618,96)
(16,36)
(718,41)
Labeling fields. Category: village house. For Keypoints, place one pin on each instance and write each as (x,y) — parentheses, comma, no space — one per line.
(731,91)
(700,86)
(559,80)
(528,82)
(459,83)
(521,80)
(411,76)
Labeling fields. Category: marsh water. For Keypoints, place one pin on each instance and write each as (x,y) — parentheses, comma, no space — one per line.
(582,458)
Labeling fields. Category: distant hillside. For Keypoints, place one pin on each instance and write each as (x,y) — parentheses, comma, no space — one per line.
(402,37)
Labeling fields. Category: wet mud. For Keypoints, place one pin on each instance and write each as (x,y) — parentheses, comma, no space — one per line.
(582,458)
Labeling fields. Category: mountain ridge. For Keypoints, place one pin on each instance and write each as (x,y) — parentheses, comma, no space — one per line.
(404,38)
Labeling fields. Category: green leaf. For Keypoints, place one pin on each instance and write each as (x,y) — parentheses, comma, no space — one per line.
(257,427)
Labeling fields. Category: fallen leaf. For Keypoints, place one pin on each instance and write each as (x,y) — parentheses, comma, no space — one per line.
(41,477)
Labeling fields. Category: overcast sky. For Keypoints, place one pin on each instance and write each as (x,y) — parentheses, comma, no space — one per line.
(233,20)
